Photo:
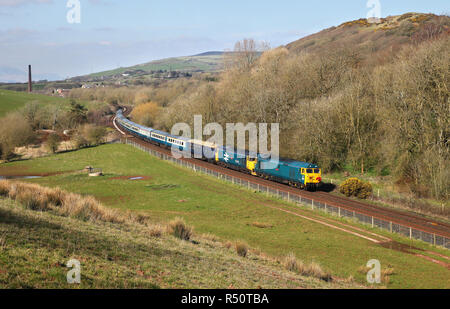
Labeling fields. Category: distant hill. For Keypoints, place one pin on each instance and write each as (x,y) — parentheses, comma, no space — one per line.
(381,39)
(205,62)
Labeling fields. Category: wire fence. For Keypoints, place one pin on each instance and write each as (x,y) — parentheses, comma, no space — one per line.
(390,226)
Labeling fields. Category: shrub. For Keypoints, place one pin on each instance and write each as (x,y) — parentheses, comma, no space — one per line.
(4,188)
(80,141)
(95,135)
(241,248)
(89,135)
(53,142)
(146,113)
(15,131)
(356,187)
(179,229)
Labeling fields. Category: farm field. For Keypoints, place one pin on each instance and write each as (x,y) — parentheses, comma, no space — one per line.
(212,206)
(12,100)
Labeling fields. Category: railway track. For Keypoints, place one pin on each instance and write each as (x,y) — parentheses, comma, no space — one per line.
(399,217)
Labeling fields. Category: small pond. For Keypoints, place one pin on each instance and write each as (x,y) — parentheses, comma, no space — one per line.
(19,177)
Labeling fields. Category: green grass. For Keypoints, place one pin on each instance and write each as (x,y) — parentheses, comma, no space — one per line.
(205,63)
(219,208)
(12,101)
(35,248)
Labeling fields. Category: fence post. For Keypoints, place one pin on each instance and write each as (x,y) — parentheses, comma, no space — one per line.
(410,233)
(312,204)
(434,239)
(339,211)
(390,225)
(288,197)
(373,225)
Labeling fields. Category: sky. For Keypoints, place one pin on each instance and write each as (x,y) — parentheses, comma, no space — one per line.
(115,33)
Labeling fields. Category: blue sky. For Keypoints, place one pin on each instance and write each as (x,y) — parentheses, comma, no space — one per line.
(115,33)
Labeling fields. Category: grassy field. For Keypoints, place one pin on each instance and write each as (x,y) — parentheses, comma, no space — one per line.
(222,209)
(12,100)
(36,246)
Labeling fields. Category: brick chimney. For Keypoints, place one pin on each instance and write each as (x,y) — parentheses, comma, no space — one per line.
(30,86)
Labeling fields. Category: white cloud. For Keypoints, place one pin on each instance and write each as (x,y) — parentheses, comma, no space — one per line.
(23,2)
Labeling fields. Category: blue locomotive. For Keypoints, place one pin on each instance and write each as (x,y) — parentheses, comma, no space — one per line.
(294,173)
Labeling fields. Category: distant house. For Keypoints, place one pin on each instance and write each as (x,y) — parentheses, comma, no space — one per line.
(62,92)
(173,74)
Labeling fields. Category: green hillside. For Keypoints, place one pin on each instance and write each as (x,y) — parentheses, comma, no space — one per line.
(35,248)
(12,100)
(208,62)
(218,208)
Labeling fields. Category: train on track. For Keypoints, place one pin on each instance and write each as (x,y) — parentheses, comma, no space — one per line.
(297,174)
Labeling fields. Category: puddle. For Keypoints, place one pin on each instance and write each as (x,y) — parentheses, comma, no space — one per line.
(19,177)
(131,178)
(162,187)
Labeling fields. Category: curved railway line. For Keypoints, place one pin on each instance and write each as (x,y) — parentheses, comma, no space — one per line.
(415,221)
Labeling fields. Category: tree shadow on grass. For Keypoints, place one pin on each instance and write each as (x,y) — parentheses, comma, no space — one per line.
(327,187)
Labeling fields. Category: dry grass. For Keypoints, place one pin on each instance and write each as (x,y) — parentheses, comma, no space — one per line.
(385,275)
(261,225)
(156,230)
(364,270)
(179,229)
(291,263)
(241,248)
(312,270)
(210,237)
(40,198)
(228,244)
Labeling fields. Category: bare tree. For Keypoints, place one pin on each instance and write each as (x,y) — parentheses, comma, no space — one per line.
(245,54)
